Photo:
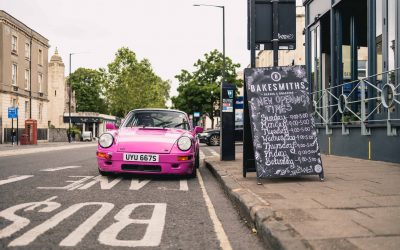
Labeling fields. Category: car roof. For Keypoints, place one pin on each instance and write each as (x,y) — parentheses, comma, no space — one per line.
(158,109)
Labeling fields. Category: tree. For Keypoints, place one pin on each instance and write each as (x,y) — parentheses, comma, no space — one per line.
(88,86)
(200,89)
(133,84)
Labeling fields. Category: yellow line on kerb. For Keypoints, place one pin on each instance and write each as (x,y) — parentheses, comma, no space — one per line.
(369,150)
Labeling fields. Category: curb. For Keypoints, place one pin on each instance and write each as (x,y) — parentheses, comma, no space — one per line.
(257,212)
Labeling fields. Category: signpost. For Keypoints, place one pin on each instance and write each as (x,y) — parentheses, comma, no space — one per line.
(13,113)
(284,135)
(271,25)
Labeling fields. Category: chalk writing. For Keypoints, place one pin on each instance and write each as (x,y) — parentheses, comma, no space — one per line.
(284,137)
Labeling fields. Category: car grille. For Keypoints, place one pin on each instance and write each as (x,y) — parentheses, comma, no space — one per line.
(143,168)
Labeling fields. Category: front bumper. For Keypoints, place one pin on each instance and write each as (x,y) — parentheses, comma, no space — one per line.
(168,164)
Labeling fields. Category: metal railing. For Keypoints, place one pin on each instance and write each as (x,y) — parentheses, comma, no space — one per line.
(366,102)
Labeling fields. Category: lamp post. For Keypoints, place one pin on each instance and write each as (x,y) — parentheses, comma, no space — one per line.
(223,34)
(69,98)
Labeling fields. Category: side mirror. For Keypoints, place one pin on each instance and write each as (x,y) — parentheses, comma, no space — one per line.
(198,130)
(110,126)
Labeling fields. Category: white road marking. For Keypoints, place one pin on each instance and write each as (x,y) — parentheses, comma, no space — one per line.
(136,184)
(183,185)
(73,238)
(73,185)
(222,237)
(21,222)
(23,151)
(214,153)
(104,183)
(154,229)
(15,178)
(202,155)
(59,168)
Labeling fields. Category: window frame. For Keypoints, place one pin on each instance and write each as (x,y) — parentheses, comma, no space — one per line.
(14,74)
(14,44)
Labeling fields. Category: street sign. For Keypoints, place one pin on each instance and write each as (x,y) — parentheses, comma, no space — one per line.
(196,114)
(239,102)
(12,112)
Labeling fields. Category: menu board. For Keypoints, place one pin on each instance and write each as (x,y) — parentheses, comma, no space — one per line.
(284,136)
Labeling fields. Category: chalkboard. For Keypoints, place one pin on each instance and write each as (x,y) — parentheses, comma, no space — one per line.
(282,125)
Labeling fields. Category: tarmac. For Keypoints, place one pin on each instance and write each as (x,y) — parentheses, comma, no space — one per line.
(357,206)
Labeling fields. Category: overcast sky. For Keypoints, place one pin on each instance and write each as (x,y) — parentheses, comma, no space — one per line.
(172,34)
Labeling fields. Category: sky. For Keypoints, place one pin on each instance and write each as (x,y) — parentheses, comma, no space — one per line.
(172,34)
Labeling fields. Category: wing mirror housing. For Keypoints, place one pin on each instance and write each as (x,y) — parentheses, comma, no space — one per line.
(111,126)
(198,130)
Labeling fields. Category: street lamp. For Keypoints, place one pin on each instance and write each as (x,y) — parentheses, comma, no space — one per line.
(223,34)
(69,98)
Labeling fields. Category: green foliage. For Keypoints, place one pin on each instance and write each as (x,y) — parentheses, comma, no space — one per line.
(200,89)
(87,84)
(133,84)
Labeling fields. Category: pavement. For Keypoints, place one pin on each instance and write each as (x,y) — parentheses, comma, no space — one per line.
(356,207)
(7,149)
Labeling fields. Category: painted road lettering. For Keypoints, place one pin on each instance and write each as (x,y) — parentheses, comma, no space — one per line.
(106,183)
(151,237)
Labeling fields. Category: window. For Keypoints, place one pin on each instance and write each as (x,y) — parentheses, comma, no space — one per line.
(26,109)
(40,81)
(40,57)
(14,71)
(27,50)
(55,92)
(27,77)
(40,111)
(14,42)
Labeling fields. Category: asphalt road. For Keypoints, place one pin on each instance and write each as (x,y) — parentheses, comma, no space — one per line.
(50,200)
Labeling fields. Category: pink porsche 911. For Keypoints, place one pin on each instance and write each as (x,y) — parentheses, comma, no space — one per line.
(150,141)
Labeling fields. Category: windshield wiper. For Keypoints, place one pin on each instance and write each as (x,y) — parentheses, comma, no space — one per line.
(179,124)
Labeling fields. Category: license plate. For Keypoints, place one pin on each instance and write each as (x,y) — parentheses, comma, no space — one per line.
(141,157)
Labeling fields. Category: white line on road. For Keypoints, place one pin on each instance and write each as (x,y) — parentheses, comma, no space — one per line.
(23,151)
(221,235)
(59,168)
(15,178)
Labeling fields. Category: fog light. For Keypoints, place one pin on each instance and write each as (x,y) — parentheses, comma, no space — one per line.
(104,155)
(183,158)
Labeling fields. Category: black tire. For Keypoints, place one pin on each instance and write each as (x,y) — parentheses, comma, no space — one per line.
(194,173)
(214,140)
(103,173)
(197,161)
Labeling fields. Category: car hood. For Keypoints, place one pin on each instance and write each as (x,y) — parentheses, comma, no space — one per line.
(148,140)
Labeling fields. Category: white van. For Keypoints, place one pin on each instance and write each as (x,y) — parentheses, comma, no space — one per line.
(87,136)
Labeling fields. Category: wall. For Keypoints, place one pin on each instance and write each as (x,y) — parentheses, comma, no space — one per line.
(58,135)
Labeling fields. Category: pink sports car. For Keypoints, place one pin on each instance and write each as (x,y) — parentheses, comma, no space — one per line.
(150,141)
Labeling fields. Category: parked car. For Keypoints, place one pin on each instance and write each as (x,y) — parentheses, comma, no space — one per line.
(86,136)
(212,137)
(150,141)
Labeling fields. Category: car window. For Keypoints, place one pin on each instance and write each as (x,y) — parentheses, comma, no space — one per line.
(157,118)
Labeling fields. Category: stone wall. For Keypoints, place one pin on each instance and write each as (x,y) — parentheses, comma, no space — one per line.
(58,135)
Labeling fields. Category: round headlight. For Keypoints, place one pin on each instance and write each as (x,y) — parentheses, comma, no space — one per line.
(184,143)
(106,140)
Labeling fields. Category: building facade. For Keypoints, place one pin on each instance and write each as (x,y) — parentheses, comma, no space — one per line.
(287,57)
(58,93)
(23,76)
(353,61)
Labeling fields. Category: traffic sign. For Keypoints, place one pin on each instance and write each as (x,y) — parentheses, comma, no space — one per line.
(12,112)
(196,114)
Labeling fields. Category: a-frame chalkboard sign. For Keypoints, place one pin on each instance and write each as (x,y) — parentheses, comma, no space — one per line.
(283,130)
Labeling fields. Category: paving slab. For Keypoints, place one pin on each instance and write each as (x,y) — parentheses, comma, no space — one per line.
(356,207)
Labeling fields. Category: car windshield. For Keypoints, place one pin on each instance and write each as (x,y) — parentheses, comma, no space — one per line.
(157,119)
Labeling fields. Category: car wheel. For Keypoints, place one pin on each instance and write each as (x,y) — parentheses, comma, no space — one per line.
(197,161)
(103,173)
(194,173)
(214,140)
